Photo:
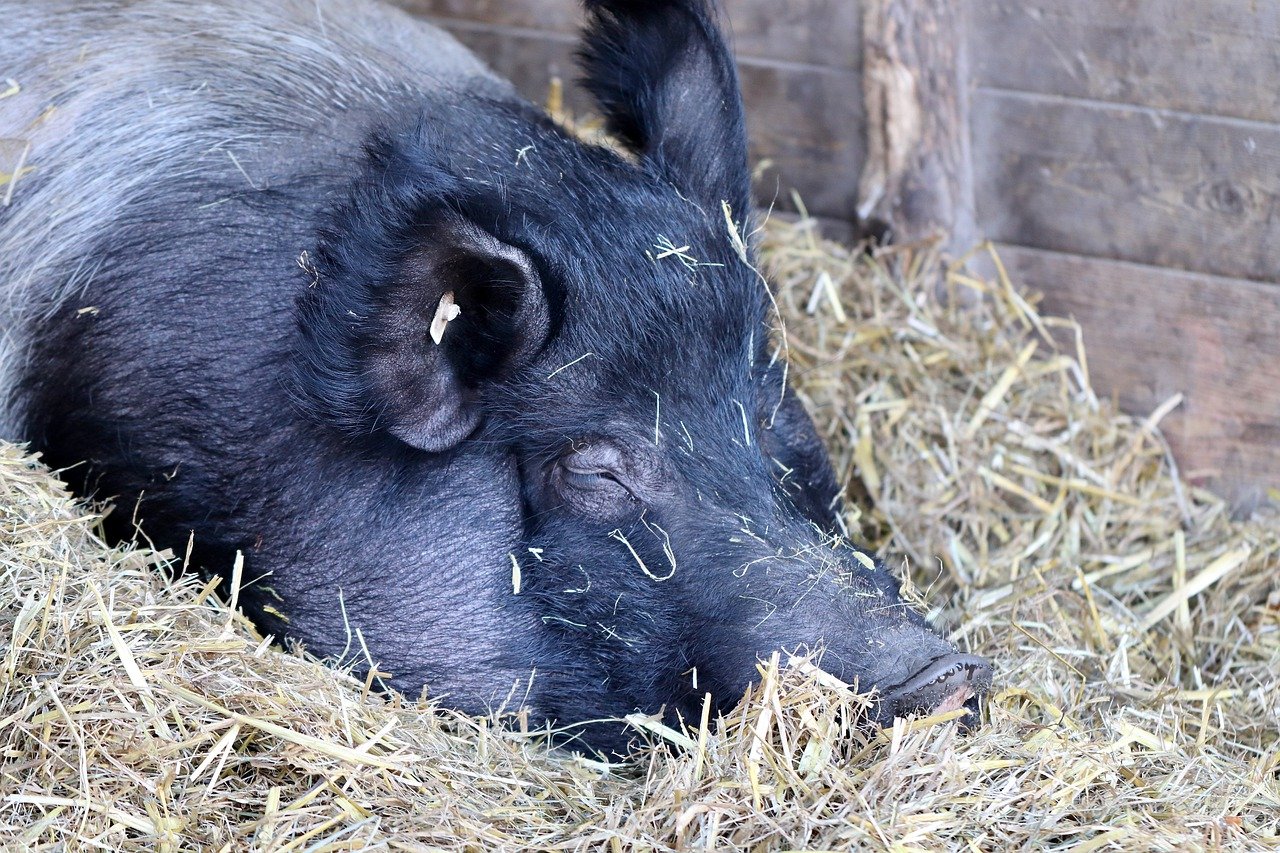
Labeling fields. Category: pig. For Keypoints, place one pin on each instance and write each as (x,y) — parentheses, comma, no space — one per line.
(481,409)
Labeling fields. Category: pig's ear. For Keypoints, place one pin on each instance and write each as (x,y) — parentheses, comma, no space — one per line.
(454,311)
(665,80)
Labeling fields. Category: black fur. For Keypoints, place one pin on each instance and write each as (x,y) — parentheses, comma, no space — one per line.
(667,85)
(607,414)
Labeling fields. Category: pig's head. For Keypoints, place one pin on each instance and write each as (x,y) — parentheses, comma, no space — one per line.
(595,321)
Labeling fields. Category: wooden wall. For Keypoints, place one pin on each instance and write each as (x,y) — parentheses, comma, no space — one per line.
(799,61)
(1123,154)
(1126,156)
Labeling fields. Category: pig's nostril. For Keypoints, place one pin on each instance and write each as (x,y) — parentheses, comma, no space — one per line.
(947,683)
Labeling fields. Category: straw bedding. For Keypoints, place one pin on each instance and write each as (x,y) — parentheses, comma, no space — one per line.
(1134,625)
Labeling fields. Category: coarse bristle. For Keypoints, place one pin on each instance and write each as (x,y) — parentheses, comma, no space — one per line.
(1135,629)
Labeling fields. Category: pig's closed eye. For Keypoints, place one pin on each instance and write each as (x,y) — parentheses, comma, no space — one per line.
(588,483)
(591,479)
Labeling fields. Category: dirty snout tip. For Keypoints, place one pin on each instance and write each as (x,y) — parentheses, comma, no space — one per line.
(947,683)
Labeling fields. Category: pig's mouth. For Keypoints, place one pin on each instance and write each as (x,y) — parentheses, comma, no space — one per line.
(946,684)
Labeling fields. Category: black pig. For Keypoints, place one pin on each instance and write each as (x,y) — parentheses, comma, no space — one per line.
(310,281)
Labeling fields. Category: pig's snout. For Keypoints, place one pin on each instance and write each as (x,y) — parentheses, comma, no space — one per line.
(946,683)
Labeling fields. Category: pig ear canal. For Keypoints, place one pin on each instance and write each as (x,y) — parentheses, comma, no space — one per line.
(665,80)
(465,310)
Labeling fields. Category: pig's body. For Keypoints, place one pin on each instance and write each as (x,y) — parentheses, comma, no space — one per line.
(118,99)
(226,279)
(163,142)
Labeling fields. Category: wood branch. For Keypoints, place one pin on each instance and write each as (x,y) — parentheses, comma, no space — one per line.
(917,176)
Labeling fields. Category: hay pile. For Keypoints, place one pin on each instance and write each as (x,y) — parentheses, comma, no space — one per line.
(1135,630)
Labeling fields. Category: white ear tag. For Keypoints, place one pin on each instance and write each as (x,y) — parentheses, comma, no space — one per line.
(447,310)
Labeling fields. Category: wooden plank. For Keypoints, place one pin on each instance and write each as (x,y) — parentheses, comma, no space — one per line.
(808,124)
(557,16)
(1151,333)
(824,33)
(918,175)
(528,59)
(811,128)
(1140,185)
(1217,57)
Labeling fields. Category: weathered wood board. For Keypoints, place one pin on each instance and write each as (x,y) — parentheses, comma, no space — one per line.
(1128,154)
(1152,333)
(1211,57)
(821,33)
(1196,193)
(798,62)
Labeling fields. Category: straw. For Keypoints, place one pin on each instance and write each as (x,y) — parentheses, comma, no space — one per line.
(1135,629)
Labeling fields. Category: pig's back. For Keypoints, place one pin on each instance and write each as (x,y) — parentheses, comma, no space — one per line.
(131,102)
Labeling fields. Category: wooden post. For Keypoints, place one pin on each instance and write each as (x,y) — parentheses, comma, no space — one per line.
(918,176)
